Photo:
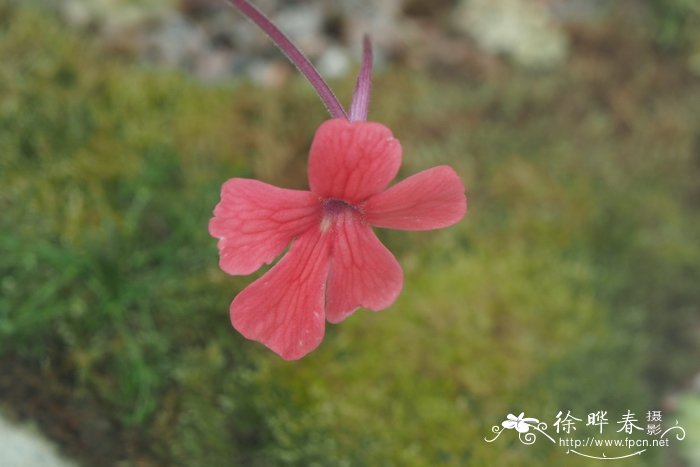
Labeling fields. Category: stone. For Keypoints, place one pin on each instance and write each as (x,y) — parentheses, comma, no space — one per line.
(333,63)
(524,30)
(22,446)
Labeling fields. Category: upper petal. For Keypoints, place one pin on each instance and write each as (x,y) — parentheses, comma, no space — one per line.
(255,221)
(430,199)
(363,272)
(284,308)
(352,160)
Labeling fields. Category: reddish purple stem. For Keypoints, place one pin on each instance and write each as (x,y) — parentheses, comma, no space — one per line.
(363,88)
(295,56)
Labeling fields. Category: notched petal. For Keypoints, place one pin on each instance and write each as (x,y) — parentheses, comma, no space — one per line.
(363,272)
(284,308)
(255,222)
(430,199)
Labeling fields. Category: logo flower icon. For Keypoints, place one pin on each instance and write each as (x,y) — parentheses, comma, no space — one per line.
(519,423)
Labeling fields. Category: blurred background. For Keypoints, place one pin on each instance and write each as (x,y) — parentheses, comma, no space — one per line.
(572,284)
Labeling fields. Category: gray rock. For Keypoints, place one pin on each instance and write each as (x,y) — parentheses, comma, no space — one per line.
(524,30)
(333,63)
(302,24)
(22,446)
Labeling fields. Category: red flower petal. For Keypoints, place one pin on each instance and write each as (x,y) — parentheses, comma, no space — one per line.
(352,160)
(430,199)
(255,221)
(363,272)
(284,308)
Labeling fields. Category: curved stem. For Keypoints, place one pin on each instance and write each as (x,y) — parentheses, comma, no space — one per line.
(359,107)
(295,56)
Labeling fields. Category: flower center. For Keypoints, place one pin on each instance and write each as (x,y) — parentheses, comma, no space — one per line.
(332,208)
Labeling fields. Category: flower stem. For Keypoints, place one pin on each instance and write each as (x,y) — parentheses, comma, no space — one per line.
(363,88)
(295,56)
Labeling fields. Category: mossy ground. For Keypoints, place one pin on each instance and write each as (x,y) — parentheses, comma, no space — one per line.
(571,284)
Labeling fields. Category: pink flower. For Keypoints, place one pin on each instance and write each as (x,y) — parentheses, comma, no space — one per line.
(336,263)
